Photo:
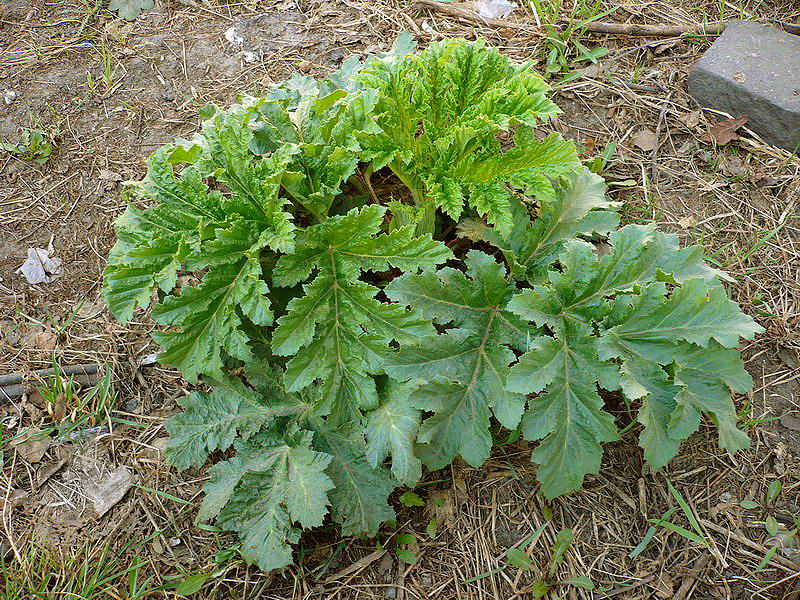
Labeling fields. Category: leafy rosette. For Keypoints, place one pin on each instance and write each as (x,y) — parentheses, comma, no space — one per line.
(345,346)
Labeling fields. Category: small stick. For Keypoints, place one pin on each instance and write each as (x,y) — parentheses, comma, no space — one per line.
(7,525)
(777,558)
(637,29)
(627,588)
(690,579)
(654,155)
(473,17)
(71,370)
(12,386)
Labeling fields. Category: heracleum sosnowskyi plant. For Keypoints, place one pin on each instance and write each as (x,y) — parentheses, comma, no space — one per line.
(344,346)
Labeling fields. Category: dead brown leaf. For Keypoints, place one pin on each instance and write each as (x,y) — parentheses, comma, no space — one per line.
(47,471)
(724,131)
(790,422)
(645,140)
(36,398)
(14,498)
(104,492)
(46,340)
(58,408)
(690,119)
(733,166)
(32,444)
(386,564)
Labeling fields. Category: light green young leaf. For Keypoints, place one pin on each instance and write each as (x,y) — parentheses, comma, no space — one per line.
(411,499)
(326,125)
(441,112)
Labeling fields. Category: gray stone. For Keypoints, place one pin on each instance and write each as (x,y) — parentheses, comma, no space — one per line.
(753,70)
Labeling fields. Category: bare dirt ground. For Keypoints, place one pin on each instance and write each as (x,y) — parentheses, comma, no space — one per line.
(741,200)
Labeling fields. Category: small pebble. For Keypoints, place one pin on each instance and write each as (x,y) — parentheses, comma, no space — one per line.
(9,96)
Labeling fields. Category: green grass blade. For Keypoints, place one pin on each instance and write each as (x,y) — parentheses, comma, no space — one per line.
(685,508)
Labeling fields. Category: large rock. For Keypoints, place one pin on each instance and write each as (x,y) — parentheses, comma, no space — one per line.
(753,70)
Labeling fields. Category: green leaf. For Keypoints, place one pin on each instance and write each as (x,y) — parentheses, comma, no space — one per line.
(130,9)
(707,378)
(568,416)
(579,206)
(391,429)
(539,589)
(519,559)
(771,525)
(773,490)
(656,332)
(682,531)
(192,584)
(338,332)
(563,540)
(212,421)
(432,528)
(687,511)
(193,227)
(462,371)
(749,504)
(411,499)
(210,321)
(271,483)
(693,313)
(581,581)
(359,502)
(668,345)
(441,112)
(406,556)
(638,255)
(767,557)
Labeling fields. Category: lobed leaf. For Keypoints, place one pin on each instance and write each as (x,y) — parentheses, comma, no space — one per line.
(359,501)
(272,482)
(579,206)
(441,112)
(568,416)
(338,332)
(462,371)
(212,421)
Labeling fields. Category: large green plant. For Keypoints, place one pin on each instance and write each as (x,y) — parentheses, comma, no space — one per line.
(341,354)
